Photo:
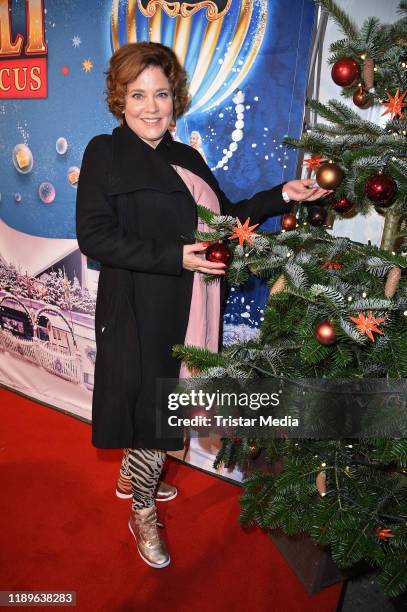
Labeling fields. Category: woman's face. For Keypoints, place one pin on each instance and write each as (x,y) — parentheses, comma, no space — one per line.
(193,140)
(148,105)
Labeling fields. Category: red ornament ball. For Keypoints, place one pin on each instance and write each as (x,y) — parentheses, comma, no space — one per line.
(342,205)
(317,215)
(380,189)
(254,450)
(199,411)
(345,71)
(288,222)
(325,333)
(361,98)
(218,252)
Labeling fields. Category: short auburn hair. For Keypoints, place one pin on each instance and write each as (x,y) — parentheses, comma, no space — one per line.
(130,60)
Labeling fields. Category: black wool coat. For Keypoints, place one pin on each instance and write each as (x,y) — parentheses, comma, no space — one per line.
(134,214)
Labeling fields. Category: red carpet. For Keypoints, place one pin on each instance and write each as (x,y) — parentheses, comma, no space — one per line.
(64,529)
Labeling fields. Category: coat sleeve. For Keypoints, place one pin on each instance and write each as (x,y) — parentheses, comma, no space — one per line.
(259,207)
(98,232)
(263,204)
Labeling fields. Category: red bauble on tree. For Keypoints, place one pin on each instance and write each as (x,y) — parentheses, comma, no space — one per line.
(345,71)
(198,412)
(288,222)
(342,205)
(317,215)
(361,98)
(325,333)
(380,189)
(254,450)
(218,252)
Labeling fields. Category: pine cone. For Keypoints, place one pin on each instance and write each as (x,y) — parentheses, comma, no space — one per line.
(278,285)
(320,483)
(368,73)
(392,281)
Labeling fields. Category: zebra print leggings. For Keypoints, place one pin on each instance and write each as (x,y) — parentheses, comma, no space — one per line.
(143,466)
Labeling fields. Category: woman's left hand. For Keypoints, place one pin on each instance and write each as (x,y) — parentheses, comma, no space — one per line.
(301,190)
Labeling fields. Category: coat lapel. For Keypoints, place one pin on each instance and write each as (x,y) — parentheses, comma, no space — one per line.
(136,165)
(184,156)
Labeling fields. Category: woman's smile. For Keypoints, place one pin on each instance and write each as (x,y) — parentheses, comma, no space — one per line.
(152,121)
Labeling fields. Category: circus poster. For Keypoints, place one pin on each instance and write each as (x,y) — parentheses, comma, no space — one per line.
(247,63)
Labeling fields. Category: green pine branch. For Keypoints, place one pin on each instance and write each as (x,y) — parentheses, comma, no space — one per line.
(340,18)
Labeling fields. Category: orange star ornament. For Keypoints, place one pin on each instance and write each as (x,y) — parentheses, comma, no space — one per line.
(243,232)
(313,163)
(367,325)
(384,534)
(332,265)
(395,105)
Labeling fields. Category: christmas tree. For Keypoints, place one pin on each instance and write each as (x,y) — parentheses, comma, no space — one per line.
(336,310)
(364,163)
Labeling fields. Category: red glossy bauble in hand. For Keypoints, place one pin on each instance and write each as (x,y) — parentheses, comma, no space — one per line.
(361,98)
(345,71)
(342,205)
(317,215)
(380,189)
(329,176)
(288,222)
(218,252)
(325,333)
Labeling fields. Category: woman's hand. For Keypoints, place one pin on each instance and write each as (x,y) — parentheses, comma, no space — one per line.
(195,263)
(301,190)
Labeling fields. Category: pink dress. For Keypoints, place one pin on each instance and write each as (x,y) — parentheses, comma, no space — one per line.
(204,314)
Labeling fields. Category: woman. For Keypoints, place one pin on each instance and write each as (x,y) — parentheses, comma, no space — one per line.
(136,215)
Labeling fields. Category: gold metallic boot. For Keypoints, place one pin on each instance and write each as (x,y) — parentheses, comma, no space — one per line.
(165,492)
(143,526)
